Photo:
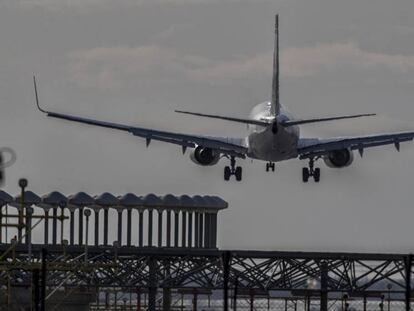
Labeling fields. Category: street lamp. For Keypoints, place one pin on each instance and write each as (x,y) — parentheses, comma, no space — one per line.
(311,284)
(389,287)
(87,213)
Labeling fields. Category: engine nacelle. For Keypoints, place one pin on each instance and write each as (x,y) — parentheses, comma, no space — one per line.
(339,158)
(204,156)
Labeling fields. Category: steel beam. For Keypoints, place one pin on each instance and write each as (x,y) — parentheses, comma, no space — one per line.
(141,229)
(96,216)
(105,228)
(176,227)
(119,236)
(168,238)
(129,226)
(159,228)
(183,228)
(80,226)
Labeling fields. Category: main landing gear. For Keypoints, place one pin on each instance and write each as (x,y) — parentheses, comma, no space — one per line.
(233,170)
(270,166)
(311,172)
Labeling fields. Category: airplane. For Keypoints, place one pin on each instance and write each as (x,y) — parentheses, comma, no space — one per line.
(274,136)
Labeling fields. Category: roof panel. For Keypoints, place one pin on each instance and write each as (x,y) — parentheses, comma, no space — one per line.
(106,199)
(81,199)
(29,198)
(55,198)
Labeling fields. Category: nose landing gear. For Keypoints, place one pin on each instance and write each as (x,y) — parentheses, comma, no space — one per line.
(233,170)
(270,166)
(311,172)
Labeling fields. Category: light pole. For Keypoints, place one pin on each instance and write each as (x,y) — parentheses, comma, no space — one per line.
(22,184)
(29,212)
(87,213)
(62,206)
(311,284)
(389,287)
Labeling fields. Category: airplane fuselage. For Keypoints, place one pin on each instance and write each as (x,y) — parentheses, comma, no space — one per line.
(266,144)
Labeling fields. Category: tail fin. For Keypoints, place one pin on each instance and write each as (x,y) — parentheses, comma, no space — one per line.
(275,104)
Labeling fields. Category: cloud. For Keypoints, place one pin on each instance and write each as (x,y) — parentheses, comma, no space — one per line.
(111,67)
(303,62)
(66,4)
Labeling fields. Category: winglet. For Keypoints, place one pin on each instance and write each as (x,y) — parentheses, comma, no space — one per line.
(37,97)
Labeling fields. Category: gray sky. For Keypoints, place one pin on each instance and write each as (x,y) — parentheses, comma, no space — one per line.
(136,61)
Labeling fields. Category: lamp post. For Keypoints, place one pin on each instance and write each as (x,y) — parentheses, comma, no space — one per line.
(22,184)
(62,206)
(311,284)
(87,213)
(389,287)
(29,212)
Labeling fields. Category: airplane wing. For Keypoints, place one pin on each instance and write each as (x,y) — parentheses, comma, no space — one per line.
(309,147)
(225,145)
(229,146)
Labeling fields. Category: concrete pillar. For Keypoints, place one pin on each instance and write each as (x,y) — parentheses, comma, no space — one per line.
(168,228)
(176,227)
(150,226)
(119,237)
(141,229)
(190,229)
(129,226)
(96,213)
(72,227)
(184,228)
(46,228)
(160,228)
(54,226)
(105,228)
(196,229)
(80,224)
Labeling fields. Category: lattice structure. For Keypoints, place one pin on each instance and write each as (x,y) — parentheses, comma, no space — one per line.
(316,276)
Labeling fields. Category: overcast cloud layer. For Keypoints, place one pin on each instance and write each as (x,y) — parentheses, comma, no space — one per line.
(137,61)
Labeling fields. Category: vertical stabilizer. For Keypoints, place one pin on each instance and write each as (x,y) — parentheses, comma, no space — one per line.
(275,104)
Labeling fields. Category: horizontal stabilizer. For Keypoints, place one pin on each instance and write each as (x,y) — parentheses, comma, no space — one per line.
(245,121)
(307,121)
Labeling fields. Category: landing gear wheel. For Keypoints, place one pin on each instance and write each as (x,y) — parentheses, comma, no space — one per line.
(232,170)
(238,173)
(311,172)
(317,174)
(270,166)
(227,173)
(305,174)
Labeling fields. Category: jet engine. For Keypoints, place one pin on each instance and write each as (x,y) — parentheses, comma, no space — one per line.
(339,158)
(204,156)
